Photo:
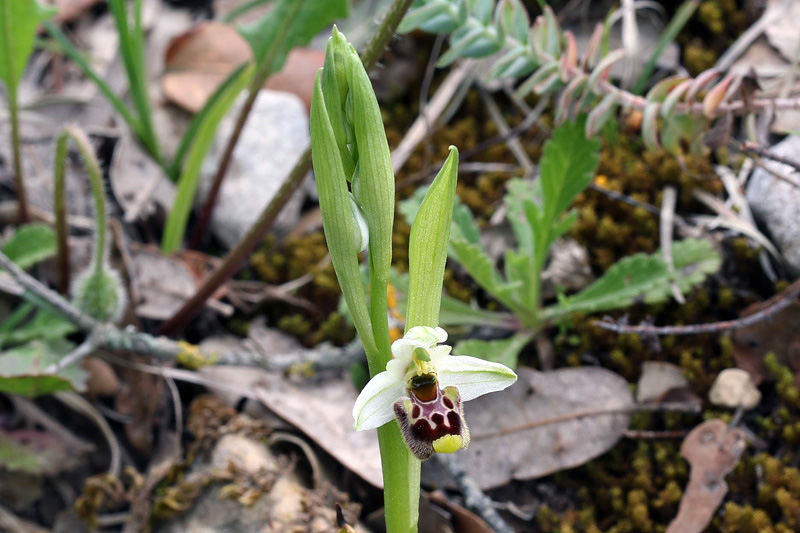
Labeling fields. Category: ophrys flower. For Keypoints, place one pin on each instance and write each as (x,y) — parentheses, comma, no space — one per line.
(424,386)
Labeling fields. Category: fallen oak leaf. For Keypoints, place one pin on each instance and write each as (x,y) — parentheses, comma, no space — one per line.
(712,450)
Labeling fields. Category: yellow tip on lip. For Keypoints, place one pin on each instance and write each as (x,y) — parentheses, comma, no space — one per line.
(448,444)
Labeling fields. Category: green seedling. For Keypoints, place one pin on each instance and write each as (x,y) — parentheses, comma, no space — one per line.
(538,212)
(19,20)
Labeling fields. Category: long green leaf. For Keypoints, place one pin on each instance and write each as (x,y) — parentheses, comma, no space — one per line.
(288,24)
(190,176)
(18,22)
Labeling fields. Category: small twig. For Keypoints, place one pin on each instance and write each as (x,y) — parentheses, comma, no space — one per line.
(85,349)
(684,407)
(79,404)
(512,142)
(775,304)
(667,219)
(474,498)
(108,336)
(763,152)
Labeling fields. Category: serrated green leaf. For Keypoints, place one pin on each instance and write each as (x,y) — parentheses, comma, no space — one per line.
(21,369)
(43,326)
(18,22)
(643,278)
(568,163)
(288,24)
(31,244)
(503,351)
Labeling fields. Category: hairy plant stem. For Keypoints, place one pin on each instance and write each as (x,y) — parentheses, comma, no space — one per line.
(245,246)
(59,201)
(262,74)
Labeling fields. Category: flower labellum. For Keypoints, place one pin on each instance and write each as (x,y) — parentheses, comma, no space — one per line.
(423,387)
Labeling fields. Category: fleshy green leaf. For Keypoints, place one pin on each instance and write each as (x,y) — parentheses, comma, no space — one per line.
(643,278)
(22,366)
(288,24)
(503,351)
(30,244)
(18,22)
(428,244)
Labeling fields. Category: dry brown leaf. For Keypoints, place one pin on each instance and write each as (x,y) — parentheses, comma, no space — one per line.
(664,382)
(69,10)
(777,334)
(712,449)
(546,422)
(324,412)
(200,59)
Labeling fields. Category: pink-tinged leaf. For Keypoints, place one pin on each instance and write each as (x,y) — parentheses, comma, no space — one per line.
(650,126)
(593,48)
(569,58)
(661,89)
(716,96)
(550,83)
(701,81)
(674,97)
(536,78)
(605,64)
(600,115)
(566,98)
(553,44)
(538,37)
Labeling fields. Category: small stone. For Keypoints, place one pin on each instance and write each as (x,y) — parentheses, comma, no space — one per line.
(777,203)
(734,388)
(275,136)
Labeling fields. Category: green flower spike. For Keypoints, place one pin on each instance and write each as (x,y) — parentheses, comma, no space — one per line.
(424,387)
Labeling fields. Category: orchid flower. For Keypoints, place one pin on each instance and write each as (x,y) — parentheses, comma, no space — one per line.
(424,386)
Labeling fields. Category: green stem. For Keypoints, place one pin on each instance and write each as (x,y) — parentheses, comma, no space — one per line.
(96,185)
(401,478)
(16,146)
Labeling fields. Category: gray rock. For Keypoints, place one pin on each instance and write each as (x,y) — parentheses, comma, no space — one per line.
(777,203)
(275,136)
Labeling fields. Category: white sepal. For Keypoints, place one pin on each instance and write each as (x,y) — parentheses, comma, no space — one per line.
(374,406)
(472,376)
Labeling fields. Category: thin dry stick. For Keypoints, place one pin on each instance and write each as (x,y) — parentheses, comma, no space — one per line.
(775,305)
(474,498)
(245,246)
(685,407)
(766,154)
(108,336)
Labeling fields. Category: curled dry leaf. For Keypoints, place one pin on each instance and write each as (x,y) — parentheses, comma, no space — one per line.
(324,412)
(199,60)
(712,449)
(546,422)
